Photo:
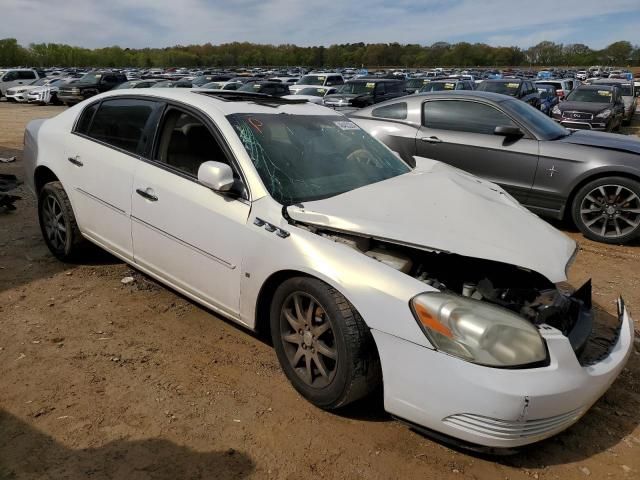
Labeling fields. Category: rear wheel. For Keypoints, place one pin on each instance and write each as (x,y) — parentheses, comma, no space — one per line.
(58,223)
(323,345)
(608,210)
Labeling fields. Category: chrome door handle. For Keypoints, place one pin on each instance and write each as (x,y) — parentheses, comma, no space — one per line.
(76,161)
(431,139)
(147,195)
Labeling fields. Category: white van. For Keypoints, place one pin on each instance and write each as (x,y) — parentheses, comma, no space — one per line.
(17,76)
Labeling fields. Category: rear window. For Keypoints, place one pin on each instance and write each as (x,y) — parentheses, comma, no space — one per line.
(395,111)
(120,123)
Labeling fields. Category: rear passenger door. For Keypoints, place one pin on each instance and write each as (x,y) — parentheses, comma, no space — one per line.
(101,157)
(460,133)
(182,231)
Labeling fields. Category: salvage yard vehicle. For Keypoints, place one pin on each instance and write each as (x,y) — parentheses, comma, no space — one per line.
(14,77)
(548,98)
(363,92)
(592,178)
(311,94)
(591,108)
(626,93)
(89,85)
(317,80)
(562,86)
(47,93)
(267,87)
(19,93)
(447,84)
(288,218)
(514,87)
(137,84)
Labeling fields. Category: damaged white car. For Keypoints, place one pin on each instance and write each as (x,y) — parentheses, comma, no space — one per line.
(288,218)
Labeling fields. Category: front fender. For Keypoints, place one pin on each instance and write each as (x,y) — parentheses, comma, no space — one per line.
(379,293)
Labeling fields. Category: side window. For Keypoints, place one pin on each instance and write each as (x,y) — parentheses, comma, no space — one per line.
(395,111)
(10,77)
(463,116)
(337,81)
(26,75)
(380,88)
(121,123)
(85,119)
(185,143)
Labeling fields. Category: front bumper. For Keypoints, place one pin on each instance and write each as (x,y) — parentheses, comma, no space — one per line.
(582,125)
(498,408)
(17,97)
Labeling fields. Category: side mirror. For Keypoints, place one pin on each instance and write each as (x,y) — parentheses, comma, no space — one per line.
(216,175)
(508,131)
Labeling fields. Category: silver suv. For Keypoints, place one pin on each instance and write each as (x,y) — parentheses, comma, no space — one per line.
(17,76)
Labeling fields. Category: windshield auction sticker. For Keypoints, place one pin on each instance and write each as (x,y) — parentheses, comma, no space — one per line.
(346,125)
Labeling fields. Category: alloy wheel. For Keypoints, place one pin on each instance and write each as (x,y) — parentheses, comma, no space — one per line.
(308,339)
(53,223)
(610,211)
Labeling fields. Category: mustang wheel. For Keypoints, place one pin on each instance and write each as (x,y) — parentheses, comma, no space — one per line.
(322,343)
(58,223)
(608,210)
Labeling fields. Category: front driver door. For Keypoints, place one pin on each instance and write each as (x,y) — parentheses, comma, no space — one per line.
(183,231)
(460,133)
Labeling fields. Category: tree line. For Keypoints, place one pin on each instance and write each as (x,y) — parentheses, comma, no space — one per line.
(441,54)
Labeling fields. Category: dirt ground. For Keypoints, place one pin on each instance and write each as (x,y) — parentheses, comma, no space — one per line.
(104,380)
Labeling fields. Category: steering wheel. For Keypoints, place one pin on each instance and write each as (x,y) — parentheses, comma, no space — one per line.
(362,156)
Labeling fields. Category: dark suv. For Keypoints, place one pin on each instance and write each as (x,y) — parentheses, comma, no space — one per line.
(519,88)
(447,84)
(362,92)
(591,107)
(89,85)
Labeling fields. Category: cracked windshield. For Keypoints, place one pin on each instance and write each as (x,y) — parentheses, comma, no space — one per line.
(309,157)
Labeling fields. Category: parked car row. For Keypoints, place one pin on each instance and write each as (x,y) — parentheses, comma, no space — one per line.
(343,91)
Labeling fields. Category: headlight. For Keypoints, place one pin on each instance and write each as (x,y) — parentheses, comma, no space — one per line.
(556,110)
(604,114)
(477,331)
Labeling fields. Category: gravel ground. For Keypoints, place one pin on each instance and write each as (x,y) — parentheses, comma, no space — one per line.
(104,380)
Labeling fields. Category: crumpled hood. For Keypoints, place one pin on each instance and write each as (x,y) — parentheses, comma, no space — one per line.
(589,107)
(438,207)
(612,141)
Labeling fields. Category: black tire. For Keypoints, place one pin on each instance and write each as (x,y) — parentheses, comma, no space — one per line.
(597,204)
(356,370)
(65,245)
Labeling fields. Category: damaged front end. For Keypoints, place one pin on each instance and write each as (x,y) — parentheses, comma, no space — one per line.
(523,292)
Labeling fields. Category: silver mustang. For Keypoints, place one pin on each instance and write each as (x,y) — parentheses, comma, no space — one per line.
(591,177)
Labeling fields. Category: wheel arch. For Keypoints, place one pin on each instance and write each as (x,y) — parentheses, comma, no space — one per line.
(590,178)
(41,176)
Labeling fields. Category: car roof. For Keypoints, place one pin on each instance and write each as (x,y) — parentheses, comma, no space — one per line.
(596,87)
(215,100)
(609,81)
(505,80)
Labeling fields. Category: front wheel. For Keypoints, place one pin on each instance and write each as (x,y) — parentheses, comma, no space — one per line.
(608,210)
(323,345)
(58,223)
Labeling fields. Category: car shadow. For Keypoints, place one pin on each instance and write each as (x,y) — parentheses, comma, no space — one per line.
(29,453)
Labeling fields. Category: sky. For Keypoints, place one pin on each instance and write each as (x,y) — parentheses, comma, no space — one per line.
(161,23)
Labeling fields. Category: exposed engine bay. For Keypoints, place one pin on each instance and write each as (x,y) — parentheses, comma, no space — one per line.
(522,291)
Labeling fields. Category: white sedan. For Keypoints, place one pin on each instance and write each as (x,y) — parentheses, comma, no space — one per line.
(287,217)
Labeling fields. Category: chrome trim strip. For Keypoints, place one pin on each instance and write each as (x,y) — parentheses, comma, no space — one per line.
(99,200)
(230,266)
